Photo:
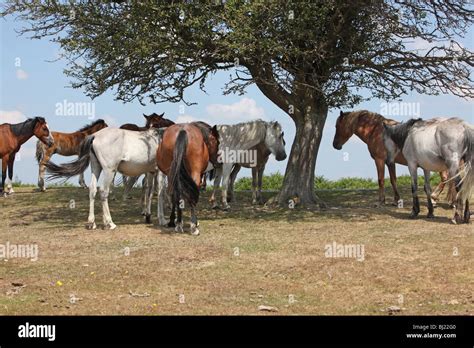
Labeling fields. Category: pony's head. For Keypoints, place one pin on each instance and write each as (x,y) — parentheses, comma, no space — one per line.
(41,131)
(98,125)
(274,141)
(157,121)
(343,131)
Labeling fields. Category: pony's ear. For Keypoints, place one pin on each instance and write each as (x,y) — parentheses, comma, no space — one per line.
(214,132)
(145,116)
(341,113)
(161,115)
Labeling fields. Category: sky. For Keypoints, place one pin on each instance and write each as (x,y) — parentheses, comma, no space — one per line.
(33,84)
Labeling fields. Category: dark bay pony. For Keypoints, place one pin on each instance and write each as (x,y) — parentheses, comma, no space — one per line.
(65,144)
(12,136)
(185,153)
(154,120)
(368,126)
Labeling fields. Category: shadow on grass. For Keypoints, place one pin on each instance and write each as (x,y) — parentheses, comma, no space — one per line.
(69,208)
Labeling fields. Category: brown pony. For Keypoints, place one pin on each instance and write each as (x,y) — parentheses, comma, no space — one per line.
(184,155)
(65,144)
(368,126)
(12,136)
(154,120)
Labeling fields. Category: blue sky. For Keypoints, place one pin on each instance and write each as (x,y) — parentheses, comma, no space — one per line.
(32,86)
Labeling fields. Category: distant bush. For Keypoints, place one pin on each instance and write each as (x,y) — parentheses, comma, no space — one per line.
(274,182)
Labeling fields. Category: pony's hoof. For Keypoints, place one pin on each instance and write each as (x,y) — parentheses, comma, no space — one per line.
(254,202)
(226,207)
(91,226)
(413,215)
(215,207)
(195,230)
(148,219)
(179,228)
(430,216)
(110,226)
(456,220)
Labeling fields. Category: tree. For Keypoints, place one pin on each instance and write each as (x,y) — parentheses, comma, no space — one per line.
(306,57)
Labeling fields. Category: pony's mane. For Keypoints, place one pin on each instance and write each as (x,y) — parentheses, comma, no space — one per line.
(368,115)
(89,126)
(26,127)
(399,132)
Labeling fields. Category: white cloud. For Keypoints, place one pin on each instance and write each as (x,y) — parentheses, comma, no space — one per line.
(21,74)
(186,119)
(13,116)
(244,110)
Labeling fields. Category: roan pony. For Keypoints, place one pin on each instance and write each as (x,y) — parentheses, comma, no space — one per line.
(436,145)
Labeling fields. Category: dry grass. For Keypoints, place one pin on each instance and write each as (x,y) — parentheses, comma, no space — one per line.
(280,257)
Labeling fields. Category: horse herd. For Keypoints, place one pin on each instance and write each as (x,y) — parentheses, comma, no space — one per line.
(179,156)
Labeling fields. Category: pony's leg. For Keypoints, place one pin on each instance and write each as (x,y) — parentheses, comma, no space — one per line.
(217,181)
(42,169)
(233,176)
(104,197)
(194,222)
(380,164)
(414,190)
(96,169)
(128,185)
(149,178)
(467,213)
(393,180)
(172,223)
(11,161)
(254,185)
(226,170)
(4,172)
(160,185)
(437,191)
(427,187)
(179,219)
(259,184)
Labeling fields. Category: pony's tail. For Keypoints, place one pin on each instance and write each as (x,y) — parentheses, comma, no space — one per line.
(73,168)
(467,176)
(39,151)
(180,182)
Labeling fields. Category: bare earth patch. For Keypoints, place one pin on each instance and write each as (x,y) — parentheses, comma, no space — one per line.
(246,258)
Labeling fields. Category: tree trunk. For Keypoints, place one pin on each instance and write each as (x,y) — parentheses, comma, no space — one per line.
(298,183)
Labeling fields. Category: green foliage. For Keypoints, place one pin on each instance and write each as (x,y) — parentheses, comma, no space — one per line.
(274,182)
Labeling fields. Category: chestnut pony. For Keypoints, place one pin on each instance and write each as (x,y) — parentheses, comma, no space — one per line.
(65,144)
(368,126)
(184,155)
(12,136)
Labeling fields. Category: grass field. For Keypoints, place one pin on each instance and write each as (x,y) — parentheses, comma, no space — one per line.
(244,258)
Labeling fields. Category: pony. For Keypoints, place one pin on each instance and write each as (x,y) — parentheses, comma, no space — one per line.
(368,126)
(185,153)
(153,120)
(438,144)
(13,136)
(113,150)
(247,144)
(65,144)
